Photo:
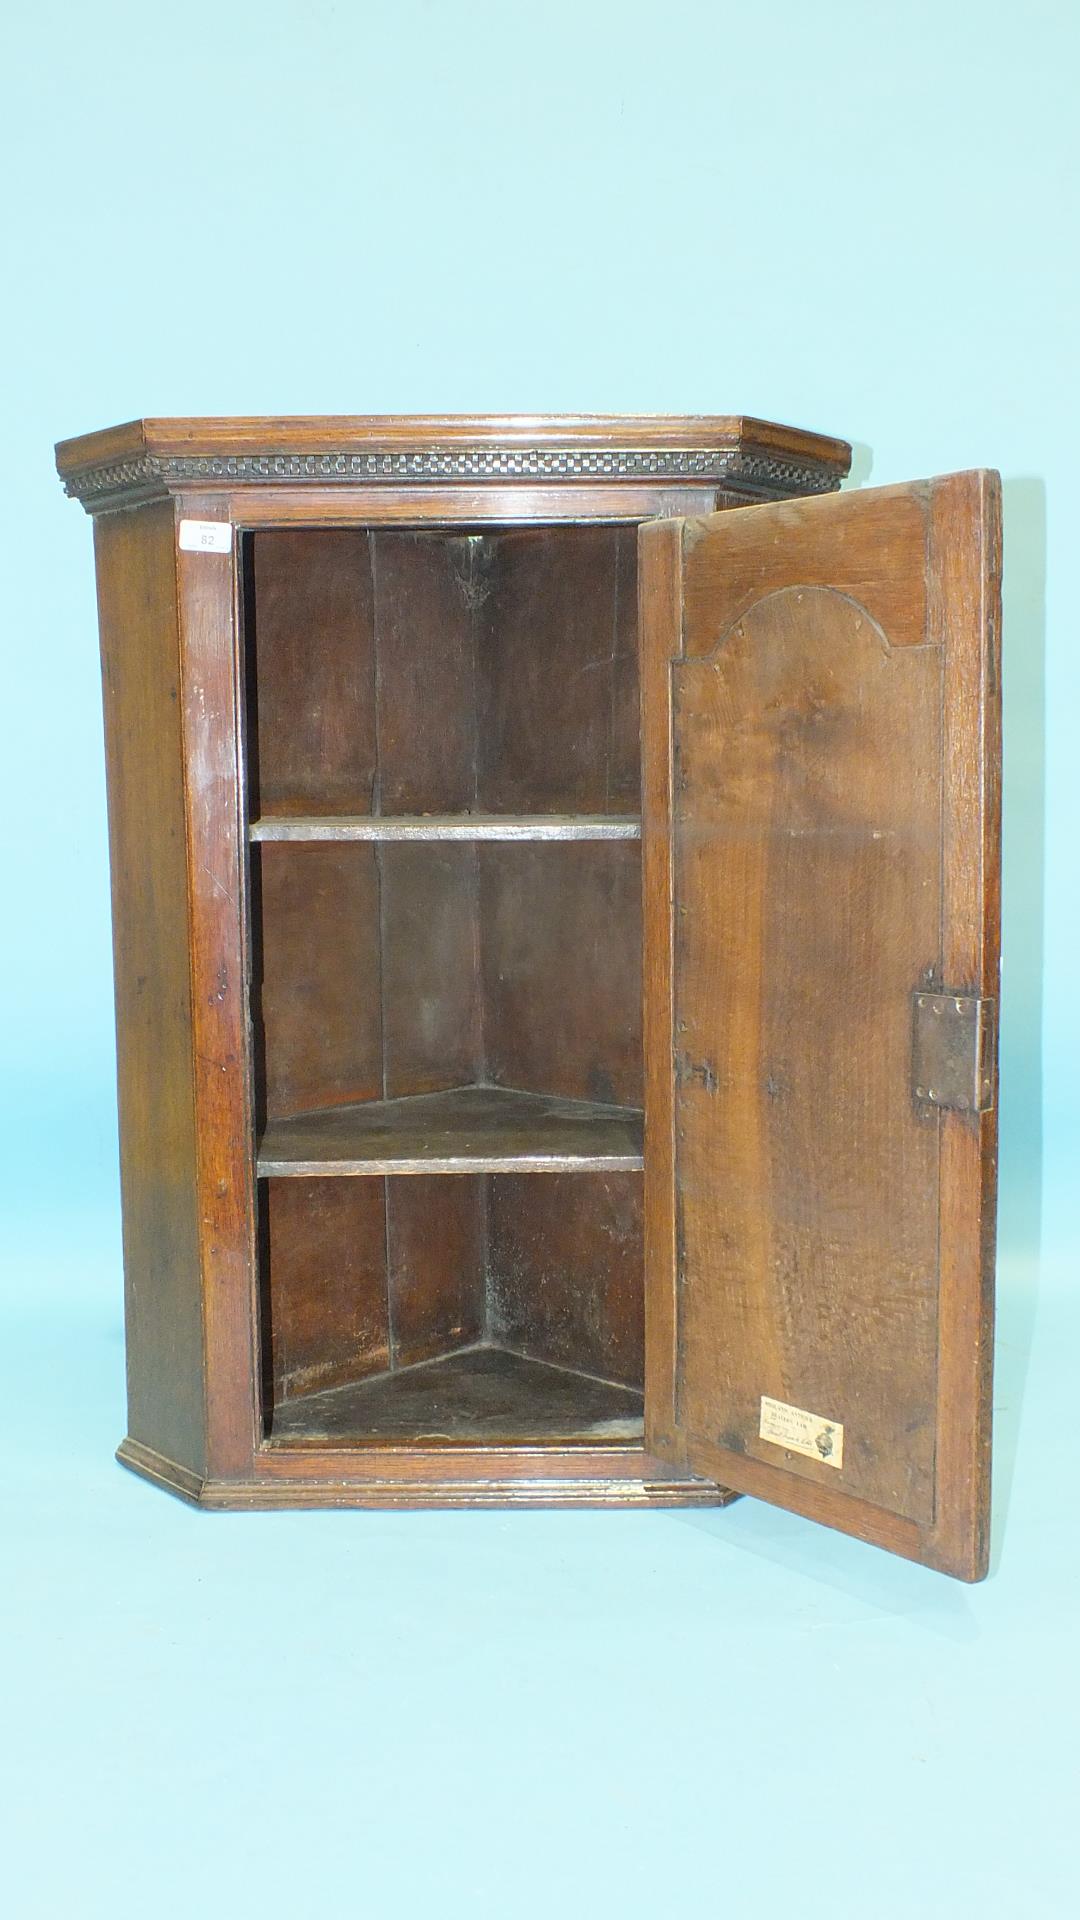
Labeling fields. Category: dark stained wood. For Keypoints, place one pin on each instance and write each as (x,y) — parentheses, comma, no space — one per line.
(432,1035)
(552,652)
(479,1394)
(807,836)
(305,434)
(966,547)
(469,508)
(466,1130)
(410,653)
(660,597)
(435,1264)
(566,1271)
(446,826)
(326,1297)
(312,631)
(832,1233)
(888,520)
(371,1475)
(561,960)
(425,588)
(145,458)
(207,602)
(624,752)
(140,663)
(319,1002)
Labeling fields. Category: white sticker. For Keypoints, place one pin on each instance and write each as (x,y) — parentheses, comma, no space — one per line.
(800,1432)
(206,536)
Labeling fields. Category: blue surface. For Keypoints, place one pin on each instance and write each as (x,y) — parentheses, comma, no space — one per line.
(858,219)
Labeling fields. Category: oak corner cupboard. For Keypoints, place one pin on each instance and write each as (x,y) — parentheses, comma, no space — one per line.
(555,888)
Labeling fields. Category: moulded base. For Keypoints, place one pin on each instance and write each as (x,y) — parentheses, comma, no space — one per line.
(617,1485)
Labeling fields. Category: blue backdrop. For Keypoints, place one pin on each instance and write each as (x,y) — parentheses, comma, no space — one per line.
(854,218)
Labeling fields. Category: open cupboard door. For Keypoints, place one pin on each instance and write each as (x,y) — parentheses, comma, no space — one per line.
(821,838)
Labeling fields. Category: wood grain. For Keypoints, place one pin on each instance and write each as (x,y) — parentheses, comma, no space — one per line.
(214,440)
(425,693)
(465,1130)
(823,775)
(563,1473)
(140,664)
(566,1273)
(561,968)
(465,508)
(482,1393)
(431,983)
(325,1305)
(319,999)
(807,903)
(801,541)
(553,646)
(364,607)
(435,1257)
(660,616)
(208,595)
(310,630)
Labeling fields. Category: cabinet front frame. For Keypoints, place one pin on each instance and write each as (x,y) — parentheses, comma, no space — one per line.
(245,1468)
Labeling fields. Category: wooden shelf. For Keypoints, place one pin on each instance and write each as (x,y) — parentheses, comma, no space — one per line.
(465,1130)
(479,1394)
(449,826)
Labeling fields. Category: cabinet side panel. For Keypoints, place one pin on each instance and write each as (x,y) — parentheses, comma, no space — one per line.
(140,672)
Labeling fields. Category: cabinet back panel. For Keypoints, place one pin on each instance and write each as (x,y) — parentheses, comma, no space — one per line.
(310,631)
(399,672)
(566,1270)
(561,959)
(430,967)
(319,1007)
(425,661)
(324,1295)
(363,1276)
(435,1262)
(557,654)
(369,973)
(624,773)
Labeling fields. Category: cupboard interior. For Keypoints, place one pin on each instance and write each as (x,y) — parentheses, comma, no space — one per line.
(444,791)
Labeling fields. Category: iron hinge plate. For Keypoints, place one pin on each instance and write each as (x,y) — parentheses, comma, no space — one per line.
(954,1050)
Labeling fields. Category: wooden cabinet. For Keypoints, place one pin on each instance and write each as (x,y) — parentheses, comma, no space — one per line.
(555,896)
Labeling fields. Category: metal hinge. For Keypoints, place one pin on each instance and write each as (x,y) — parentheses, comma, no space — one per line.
(954,1050)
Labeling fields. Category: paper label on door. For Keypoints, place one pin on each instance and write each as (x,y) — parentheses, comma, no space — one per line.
(800,1432)
(205,536)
